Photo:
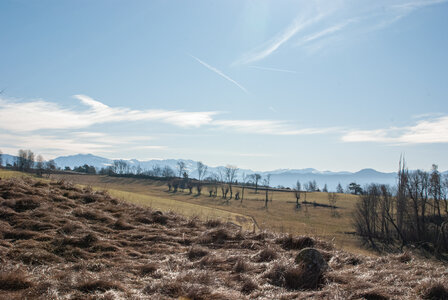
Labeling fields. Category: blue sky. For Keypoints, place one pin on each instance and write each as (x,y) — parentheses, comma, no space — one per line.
(334,85)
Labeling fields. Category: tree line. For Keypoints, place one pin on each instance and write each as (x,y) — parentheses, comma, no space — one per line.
(415,211)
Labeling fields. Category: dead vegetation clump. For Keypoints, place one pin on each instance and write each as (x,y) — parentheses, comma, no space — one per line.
(196,253)
(60,241)
(14,280)
(90,285)
(295,243)
(433,290)
(266,255)
(294,277)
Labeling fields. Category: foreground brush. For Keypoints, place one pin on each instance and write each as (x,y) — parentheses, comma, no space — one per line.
(58,241)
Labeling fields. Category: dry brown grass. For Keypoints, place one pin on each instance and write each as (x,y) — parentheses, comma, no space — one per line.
(59,241)
(14,280)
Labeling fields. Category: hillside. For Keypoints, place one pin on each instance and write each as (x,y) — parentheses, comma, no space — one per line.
(60,241)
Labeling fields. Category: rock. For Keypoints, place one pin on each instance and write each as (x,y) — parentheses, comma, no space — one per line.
(312,261)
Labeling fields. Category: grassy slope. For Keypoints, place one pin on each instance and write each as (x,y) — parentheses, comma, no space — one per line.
(281,215)
(59,241)
(135,194)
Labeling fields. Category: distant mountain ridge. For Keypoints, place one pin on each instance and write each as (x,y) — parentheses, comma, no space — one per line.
(279,177)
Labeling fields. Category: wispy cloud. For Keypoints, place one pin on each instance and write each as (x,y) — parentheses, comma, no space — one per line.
(274,43)
(411,5)
(324,32)
(56,144)
(220,73)
(430,131)
(273,69)
(270,127)
(314,30)
(35,115)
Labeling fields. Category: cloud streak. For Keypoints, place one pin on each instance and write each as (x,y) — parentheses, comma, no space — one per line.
(326,21)
(429,131)
(277,41)
(38,115)
(273,69)
(220,73)
(269,127)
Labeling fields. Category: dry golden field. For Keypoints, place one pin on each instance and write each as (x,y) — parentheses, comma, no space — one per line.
(281,215)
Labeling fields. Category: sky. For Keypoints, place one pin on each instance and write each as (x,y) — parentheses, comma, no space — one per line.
(336,85)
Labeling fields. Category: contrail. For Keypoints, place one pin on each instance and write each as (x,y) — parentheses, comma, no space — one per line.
(220,73)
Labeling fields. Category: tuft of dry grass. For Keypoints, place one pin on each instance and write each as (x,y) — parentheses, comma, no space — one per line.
(241,266)
(266,255)
(14,280)
(196,252)
(100,285)
(295,243)
(433,290)
(149,268)
(248,286)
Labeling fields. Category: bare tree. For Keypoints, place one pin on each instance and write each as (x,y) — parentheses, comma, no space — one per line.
(266,182)
(167,172)
(255,179)
(332,199)
(244,182)
(25,160)
(435,188)
(412,215)
(202,170)
(50,166)
(180,168)
(157,171)
(39,165)
(121,167)
(297,189)
(230,173)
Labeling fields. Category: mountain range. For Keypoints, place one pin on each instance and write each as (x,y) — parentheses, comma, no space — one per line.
(279,177)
